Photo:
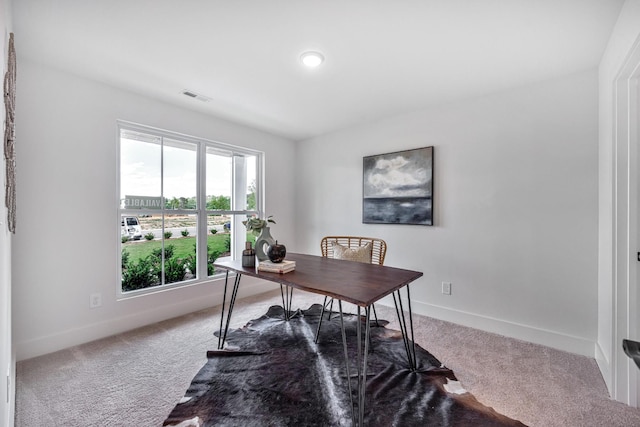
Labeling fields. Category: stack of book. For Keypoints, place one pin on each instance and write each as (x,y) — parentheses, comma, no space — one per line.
(281,267)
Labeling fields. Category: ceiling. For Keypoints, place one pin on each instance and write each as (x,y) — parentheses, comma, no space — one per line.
(383,58)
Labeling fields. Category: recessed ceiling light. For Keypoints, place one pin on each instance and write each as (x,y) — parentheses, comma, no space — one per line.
(312,59)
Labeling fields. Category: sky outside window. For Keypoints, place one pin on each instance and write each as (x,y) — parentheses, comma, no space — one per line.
(141,173)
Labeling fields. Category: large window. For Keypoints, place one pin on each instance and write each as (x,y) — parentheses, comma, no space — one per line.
(182,201)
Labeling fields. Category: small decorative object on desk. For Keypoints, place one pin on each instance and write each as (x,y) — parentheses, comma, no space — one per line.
(282,267)
(262,242)
(276,252)
(248,256)
(259,228)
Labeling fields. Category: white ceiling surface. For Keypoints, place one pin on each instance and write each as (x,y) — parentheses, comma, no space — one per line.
(383,58)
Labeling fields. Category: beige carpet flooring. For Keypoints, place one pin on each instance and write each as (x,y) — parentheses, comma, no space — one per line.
(136,378)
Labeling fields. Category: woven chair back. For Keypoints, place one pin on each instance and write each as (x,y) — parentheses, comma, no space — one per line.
(378,246)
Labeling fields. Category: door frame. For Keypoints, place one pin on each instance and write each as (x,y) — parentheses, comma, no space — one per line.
(626,303)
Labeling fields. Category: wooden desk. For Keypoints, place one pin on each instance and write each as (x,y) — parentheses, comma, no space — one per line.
(358,283)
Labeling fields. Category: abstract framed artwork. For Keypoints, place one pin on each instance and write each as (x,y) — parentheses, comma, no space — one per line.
(398,187)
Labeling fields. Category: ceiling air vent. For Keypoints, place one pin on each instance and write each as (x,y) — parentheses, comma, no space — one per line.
(197,96)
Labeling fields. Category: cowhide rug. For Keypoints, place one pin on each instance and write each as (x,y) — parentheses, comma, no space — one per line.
(271,373)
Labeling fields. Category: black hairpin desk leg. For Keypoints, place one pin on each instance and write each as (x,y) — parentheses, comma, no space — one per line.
(409,342)
(360,359)
(287,297)
(346,362)
(234,293)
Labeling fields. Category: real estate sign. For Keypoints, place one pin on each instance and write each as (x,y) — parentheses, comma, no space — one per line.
(142,202)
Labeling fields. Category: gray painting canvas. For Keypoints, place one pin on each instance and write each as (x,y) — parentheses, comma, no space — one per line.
(398,187)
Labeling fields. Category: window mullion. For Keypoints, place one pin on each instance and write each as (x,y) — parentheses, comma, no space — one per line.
(202,233)
(239,199)
(164,210)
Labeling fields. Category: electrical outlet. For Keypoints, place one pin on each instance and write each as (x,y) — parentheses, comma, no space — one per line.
(95,300)
(9,383)
(446,288)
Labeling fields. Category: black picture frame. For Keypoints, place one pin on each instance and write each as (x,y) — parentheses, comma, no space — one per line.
(397,187)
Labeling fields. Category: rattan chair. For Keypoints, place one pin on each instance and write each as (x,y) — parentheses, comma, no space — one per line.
(378,252)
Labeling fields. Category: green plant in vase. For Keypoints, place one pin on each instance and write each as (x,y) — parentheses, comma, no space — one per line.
(255,224)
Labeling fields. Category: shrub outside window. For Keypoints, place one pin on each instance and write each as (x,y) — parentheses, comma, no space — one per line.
(181,203)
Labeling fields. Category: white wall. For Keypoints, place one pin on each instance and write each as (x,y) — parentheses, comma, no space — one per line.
(613,258)
(516,181)
(64,248)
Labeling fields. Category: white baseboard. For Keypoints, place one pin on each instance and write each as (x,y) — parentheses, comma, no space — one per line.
(604,365)
(527,333)
(91,332)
